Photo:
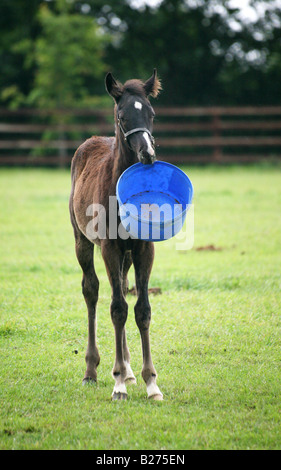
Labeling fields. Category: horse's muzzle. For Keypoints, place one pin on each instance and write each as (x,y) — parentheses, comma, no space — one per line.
(146,158)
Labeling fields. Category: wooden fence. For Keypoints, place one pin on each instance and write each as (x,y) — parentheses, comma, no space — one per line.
(183,135)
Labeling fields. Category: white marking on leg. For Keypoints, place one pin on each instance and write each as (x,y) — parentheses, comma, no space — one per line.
(150,149)
(138,105)
(153,389)
(119,387)
(129,373)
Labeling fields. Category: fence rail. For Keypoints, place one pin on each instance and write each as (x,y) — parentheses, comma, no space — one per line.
(183,135)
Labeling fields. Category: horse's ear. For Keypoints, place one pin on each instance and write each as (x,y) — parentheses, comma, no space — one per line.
(114,88)
(153,85)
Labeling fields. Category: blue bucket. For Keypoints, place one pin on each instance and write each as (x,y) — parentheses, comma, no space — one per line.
(153,200)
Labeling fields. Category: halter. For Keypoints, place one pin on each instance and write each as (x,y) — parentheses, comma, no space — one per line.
(133,131)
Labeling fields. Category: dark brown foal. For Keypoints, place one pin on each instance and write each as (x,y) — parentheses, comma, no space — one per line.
(96,167)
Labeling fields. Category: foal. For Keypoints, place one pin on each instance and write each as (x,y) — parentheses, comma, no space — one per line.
(96,167)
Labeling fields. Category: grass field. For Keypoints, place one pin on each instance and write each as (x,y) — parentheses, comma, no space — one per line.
(215,328)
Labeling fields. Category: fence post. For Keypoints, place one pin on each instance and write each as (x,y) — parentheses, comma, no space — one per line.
(217,149)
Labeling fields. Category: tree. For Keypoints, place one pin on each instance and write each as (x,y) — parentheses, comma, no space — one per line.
(205,51)
(19,28)
(177,39)
(68,56)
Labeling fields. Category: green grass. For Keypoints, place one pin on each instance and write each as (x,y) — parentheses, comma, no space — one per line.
(215,329)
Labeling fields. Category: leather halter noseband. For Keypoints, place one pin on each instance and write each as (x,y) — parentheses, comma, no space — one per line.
(133,131)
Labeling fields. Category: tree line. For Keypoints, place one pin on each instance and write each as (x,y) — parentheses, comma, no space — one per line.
(55,53)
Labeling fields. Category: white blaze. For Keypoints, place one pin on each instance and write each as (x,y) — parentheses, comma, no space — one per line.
(149,146)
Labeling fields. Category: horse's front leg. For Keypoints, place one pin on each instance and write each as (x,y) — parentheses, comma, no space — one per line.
(143,256)
(90,288)
(113,259)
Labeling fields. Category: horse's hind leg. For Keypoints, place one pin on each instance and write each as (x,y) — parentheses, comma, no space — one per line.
(143,256)
(127,262)
(113,259)
(90,288)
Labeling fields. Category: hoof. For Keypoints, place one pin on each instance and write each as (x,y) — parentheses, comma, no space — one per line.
(157,397)
(119,396)
(89,380)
